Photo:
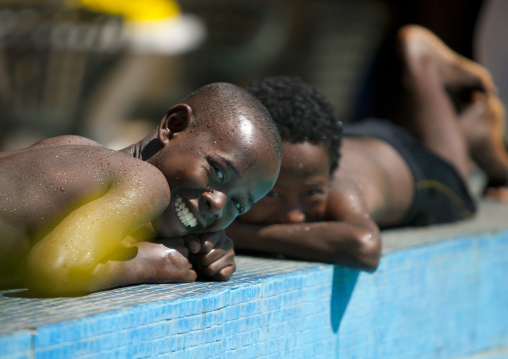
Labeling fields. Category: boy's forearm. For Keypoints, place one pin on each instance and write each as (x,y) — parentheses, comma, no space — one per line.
(142,262)
(107,275)
(332,242)
(114,274)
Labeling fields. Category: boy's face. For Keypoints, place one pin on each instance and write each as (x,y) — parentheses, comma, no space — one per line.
(215,173)
(301,191)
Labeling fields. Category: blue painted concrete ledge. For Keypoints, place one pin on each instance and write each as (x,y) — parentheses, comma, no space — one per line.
(440,292)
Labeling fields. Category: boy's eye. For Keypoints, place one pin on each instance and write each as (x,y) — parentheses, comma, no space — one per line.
(313,192)
(238,205)
(218,172)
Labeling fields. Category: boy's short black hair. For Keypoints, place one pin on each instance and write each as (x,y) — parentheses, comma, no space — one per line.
(301,113)
(232,101)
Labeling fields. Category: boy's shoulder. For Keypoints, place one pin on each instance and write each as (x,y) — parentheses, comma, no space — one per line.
(76,158)
(56,174)
(65,140)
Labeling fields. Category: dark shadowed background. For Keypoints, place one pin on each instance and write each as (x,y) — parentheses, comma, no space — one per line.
(111,76)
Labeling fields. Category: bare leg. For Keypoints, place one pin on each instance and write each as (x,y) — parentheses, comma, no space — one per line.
(455,110)
(431,116)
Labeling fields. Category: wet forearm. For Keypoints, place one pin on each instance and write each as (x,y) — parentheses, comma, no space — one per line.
(113,274)
(143,262)
(110,274)
(332,242)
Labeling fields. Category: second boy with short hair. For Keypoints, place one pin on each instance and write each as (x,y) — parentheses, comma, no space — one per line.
(385,178)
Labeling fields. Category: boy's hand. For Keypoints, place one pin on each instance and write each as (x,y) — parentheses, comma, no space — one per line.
(212,255)
(166,260)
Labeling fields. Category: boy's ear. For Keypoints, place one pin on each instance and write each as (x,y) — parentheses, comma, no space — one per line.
(176,119)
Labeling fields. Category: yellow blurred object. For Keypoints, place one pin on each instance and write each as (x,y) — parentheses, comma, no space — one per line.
(132,10)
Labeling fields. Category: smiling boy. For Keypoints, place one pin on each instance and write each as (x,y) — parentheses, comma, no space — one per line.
(76,217)
(319,211)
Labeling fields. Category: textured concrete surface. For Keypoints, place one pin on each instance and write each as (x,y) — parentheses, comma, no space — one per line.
(19,309)
(492,217)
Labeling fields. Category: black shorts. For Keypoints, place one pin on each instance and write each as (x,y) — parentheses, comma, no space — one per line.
(441,195)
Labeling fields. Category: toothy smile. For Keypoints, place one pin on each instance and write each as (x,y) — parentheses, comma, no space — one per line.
(184,214)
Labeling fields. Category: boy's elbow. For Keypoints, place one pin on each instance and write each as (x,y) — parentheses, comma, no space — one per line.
(368,253)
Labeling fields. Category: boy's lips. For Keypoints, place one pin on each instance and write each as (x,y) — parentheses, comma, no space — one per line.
(184,214)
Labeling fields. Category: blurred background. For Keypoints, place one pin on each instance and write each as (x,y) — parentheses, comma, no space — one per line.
(109,69)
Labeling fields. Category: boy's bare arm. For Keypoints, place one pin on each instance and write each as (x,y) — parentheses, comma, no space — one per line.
(347,237)
(72,257)
(145,262)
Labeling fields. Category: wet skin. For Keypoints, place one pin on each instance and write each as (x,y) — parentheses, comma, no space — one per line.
(68,204)
(314,215)
(305,188)
(453,109)
(301,191)
(235,168)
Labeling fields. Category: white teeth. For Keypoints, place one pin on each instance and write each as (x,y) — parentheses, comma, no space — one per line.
(184,214)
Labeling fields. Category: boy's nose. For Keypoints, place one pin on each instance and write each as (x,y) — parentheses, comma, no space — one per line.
(214,203)
(293,216)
